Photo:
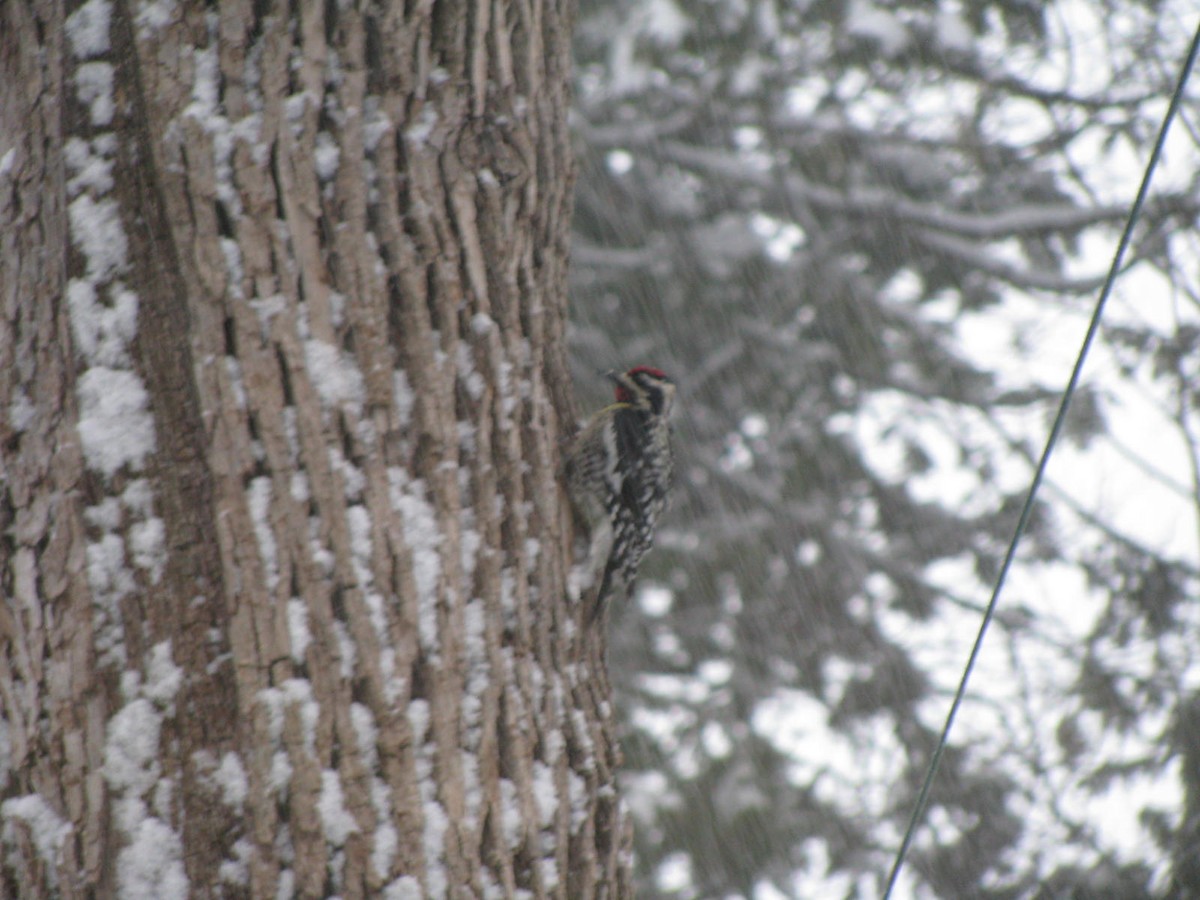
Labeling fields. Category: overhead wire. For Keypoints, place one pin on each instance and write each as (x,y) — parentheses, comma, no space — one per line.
(1051,440)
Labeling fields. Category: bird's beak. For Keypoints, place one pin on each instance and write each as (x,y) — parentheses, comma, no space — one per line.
(612,376)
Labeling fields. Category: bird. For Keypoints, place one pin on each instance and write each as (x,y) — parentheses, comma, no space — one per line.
(619,470)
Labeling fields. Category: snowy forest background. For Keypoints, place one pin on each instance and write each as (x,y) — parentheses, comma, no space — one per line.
(865,238)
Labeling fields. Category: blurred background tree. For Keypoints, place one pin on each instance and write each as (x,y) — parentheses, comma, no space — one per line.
(864,237)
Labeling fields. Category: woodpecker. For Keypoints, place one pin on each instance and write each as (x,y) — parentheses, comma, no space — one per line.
(618,472)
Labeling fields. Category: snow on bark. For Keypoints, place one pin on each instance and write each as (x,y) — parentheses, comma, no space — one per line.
(87,29)
(150,864)
(94,87)
(424,539)
(116,429)
(334,375)
(46,828)
(298,630)
(258,500)
(335,818)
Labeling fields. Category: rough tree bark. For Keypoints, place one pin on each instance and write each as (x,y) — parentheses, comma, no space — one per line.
(282,389)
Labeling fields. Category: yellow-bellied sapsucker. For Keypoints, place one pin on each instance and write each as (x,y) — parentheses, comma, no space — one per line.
(618,472)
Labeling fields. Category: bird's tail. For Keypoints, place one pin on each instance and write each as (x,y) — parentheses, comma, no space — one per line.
(602,593)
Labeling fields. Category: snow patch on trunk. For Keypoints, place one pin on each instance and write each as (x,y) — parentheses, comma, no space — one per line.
(47,829)
(150,865)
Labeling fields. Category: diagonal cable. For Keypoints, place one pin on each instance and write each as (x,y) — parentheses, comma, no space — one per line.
(1027,509)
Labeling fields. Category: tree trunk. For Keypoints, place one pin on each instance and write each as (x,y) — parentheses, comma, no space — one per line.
(282,389)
